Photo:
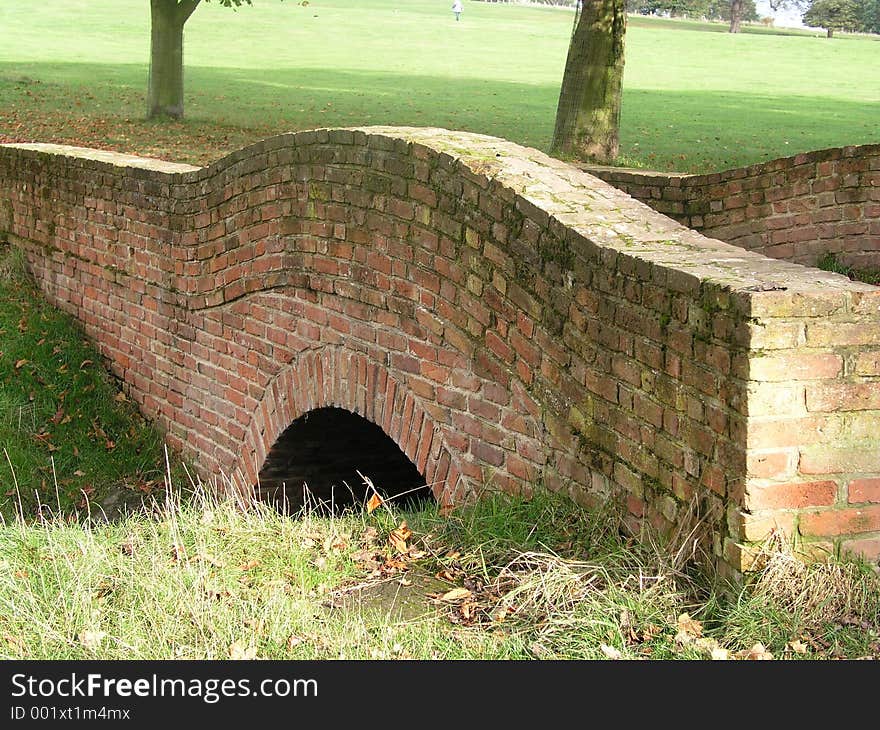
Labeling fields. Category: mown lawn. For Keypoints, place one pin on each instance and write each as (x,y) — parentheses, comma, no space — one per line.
(695,98)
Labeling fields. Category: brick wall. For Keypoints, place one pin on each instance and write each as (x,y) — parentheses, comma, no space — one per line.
(795,208)
(507,319)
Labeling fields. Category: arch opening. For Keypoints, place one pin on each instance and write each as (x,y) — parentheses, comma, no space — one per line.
(315,463)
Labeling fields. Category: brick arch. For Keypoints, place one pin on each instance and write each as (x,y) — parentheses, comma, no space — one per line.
(331,376)
(556,332)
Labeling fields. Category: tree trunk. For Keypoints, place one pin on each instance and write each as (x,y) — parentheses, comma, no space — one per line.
(165,94)
(830,33)
(736,12)
(588,112)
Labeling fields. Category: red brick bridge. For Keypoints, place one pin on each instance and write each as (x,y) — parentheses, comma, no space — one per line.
(506,319)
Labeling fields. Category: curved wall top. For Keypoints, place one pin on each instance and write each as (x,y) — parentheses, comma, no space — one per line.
(799,208)
(508,319)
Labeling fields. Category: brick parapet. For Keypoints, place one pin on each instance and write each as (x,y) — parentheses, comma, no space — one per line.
(798,208)
(508,319)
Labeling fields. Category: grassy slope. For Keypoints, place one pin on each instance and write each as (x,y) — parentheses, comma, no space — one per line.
(693,101)
(68,437)
(541,579)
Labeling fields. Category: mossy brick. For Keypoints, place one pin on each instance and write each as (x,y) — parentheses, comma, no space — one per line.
(369,188)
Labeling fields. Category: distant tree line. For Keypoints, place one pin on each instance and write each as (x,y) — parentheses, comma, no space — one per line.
(707,9)
(857,16)
(854,16)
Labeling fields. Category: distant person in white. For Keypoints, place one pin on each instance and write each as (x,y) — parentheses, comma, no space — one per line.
(456,8)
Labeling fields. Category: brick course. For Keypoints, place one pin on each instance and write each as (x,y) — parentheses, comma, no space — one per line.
(506,318)
(796,208)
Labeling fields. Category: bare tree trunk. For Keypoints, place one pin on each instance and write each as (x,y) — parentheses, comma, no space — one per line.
(165,93)
(829,33)
(588,113)
(736,13)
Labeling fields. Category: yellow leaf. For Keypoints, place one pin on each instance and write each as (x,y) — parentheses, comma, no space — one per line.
(239,651)
(757,653)
(398,542)
(798,647)
(373,503)
(689,626)
(610,651)
(456,594)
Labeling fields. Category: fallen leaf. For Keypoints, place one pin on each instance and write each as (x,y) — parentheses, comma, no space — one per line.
(689,626)
(397,542)
(798,647)
(757,653)
(374,502)
(399,536)
(84,363)
(456,594)
(294,641)
(610,651)
(719,654)
(249,565)
(239,651)
(21,363)
(120,397)
(91,639)
(13,641)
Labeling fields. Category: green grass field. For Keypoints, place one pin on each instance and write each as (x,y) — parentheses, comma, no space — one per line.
(695,98)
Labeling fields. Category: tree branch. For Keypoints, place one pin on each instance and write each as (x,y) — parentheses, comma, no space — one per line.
(185,8)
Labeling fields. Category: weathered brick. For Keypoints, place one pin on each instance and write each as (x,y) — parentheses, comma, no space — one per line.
(830,333)
(772,464)
(791,495)
(831,460)
(847,521)
(868,548)
(864,490)
(836,396)
(867,362)
(795,366)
